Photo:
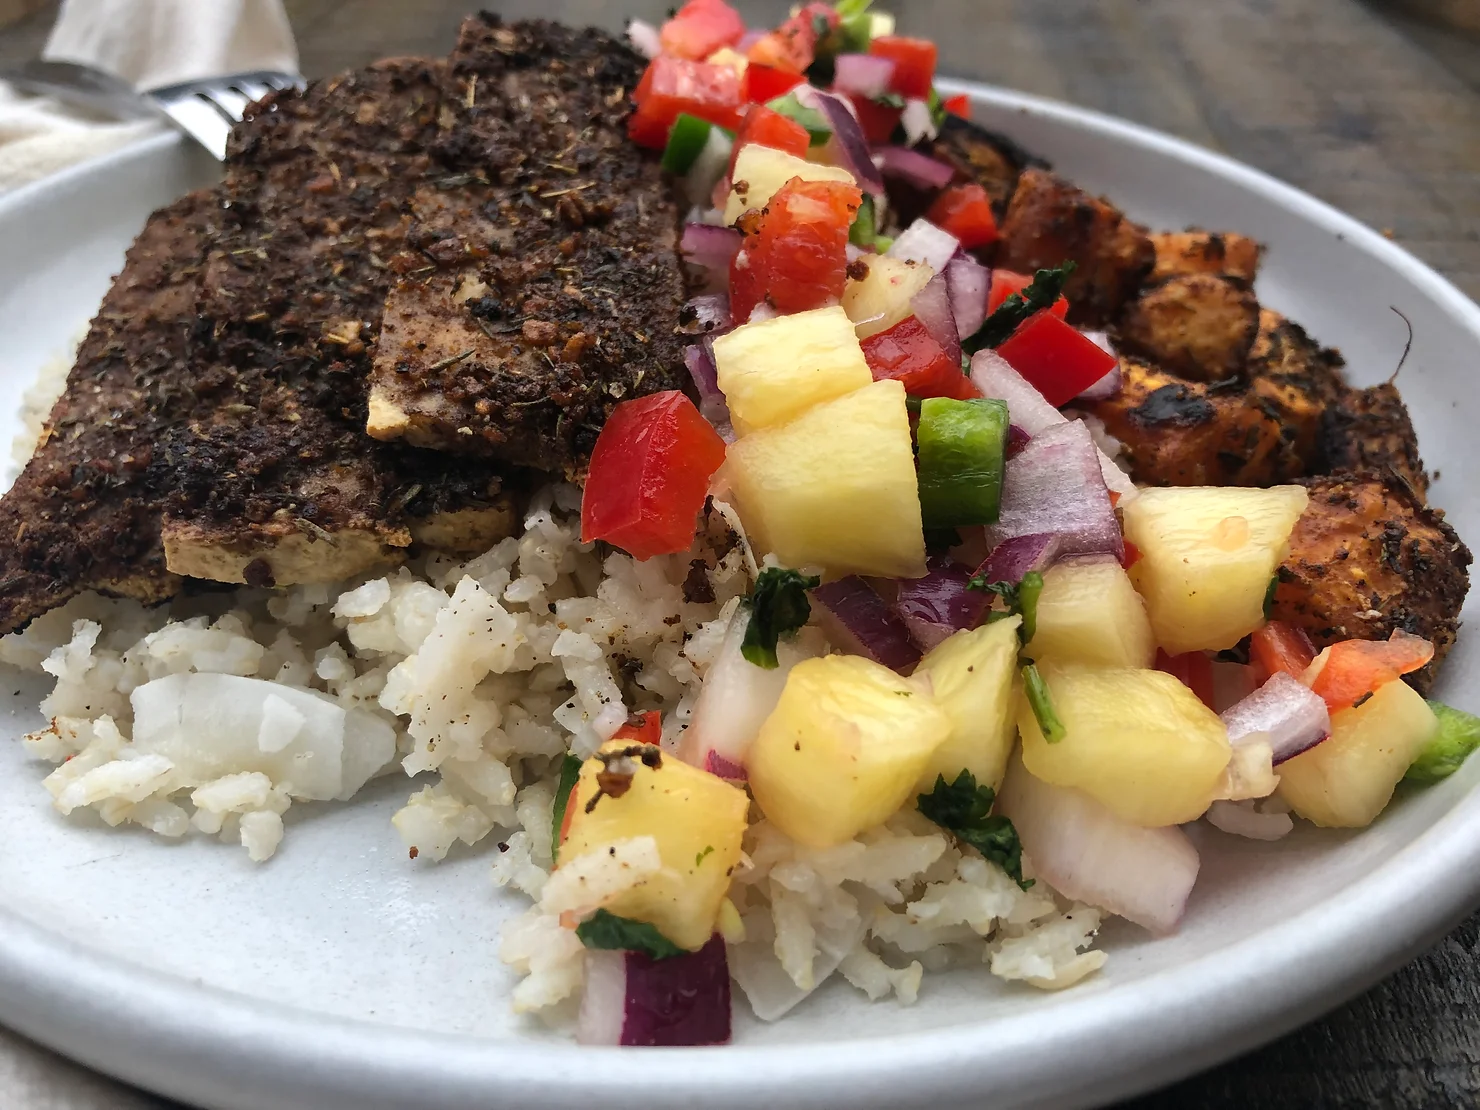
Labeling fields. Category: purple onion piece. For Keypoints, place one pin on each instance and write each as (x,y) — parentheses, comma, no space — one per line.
(932,307)
(1026,407)
(1054,485)
(717,764)
(918,169)
(847,148)
(864,75)
(1017,439)
(923,242)
(645,38)
(603,998)
(969,282)
(1106,388)
(1293,717)
(680,1001)
(699,358)
(711,315)
(1015,557)
(709,246)
(860,622)
(941,604)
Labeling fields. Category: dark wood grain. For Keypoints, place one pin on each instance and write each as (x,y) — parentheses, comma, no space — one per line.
(1359,103)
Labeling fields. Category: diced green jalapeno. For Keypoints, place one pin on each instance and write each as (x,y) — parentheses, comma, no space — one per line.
(685,142)
(962,448)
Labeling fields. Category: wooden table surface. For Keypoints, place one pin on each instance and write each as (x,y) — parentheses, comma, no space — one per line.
(1366,105)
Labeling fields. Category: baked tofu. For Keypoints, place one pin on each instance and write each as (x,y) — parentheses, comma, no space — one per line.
(1200,326)
(1195,251)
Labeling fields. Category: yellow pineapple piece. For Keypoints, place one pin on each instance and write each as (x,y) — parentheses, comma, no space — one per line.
(1138,741)
(835,488)
(882,299)
(971,676)
(1347,779)
(843,749)
(760,171)
(774,370)
(1207,556)
(1090,613)
(697,820)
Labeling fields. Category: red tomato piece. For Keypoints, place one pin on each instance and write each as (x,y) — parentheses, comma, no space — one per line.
(674,85)
(878,121)
(1194,670)
(797,258)
(701,27)
(1132,554)
(1007,282)
(958,105)
(1279,648)
(914,64)
(762,125)
(966,213)
(763,82)
(1355,669)
(650,731)
(792,47)
(1059,361)
(909,354)
(649,475)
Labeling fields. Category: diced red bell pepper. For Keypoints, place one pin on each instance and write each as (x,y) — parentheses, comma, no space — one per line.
(1194,670)
(674,85)
(877,120)
(1007,282)
(966,213)
(701,27)
(914,64)
(762,125)
(1132,554)
(763,82)
(1355,669)
(909,354)
(797,256)
(792,47)
(649,475)
(1279,648)
(1059,361)
(958,105)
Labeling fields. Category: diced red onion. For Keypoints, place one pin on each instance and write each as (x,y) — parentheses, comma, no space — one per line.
(936,607)
(923,242)
(645,38)
(709,246)
(1015,557)
(918,169)
(711,315)
(1286,712)
(847,148)
(762,312)
(709,168)
(1085,852)
(969,282)
(1054,485)
(1100,339)
(1031,411)
(932,307)
(737,697)
(1106,388)
(859,621)
(717,764)
(700,362)
(1242,819)
(917,121)
(864,75)
(1017,439)
(633,999)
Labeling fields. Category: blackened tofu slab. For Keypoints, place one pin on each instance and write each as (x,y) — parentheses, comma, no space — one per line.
(547,285)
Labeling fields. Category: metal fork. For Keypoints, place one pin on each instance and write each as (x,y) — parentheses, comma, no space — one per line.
(207,110)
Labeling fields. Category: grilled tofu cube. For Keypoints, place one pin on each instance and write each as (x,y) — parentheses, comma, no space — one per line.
(1200,326)
(1195,251)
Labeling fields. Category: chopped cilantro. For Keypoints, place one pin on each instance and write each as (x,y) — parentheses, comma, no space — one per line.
(1457,736)
(1274,584)
(937,108)
(1040,700)
(1020,598)
(965,809)
(1046,288)
(570,771)
(708,850)
(778,607)
(606,930)
(865,229)
(889,100)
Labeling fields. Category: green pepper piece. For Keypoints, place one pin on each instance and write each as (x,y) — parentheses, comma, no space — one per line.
(865,227)
(963,445)
(1457,736)
(685,143)
(810,118)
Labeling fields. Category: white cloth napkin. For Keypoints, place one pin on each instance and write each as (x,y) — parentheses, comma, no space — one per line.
(148,43)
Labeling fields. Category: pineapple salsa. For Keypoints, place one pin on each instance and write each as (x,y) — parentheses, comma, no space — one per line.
(962,609)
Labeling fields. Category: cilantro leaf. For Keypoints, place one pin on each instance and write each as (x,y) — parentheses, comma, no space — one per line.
(778,607)
(1040,700)
(570,771)
(888,100)
(1019,597)
(606,930)
(937,108)
(965,809)
(1046,288)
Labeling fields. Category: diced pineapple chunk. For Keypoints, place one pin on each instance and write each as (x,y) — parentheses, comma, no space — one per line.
(1207,556)
(696,818)
(1090,613)
(760,171)
(971,675)
(882,299)
(835,488)
(774,370)
(1346,780)
(843,749)
(1138,741)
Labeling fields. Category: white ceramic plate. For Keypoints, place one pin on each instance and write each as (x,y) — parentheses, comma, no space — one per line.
(341,975)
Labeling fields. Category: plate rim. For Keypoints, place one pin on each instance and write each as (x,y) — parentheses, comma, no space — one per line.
(219,1047)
